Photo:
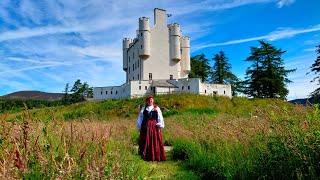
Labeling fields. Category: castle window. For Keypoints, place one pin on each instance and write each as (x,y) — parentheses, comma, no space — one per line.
(138,62)
(171,76)
(150,76)
(188,87)
(141,46)
(205,91)
(106,92)
(182,87)
(139,87)
(129,58)
(138,77)
(224,92)
(141,36)
(101,92)
(132,78)
(116,92)
(145,87)
(129,69)
(111,92)
(133,67)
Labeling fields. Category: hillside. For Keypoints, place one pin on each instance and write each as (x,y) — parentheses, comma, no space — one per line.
(35,95)
(212,138)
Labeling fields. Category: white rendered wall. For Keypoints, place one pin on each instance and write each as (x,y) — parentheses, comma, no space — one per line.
(219,89)
(159,63)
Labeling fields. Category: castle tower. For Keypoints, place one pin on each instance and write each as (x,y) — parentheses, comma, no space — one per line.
(144,36)
(175,42)
(185,55)
(125,46)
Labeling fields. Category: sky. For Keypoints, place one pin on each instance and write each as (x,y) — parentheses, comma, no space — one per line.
(46,44)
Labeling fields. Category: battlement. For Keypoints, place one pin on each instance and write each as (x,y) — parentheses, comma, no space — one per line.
(144,18)
(127,39)
(174,25)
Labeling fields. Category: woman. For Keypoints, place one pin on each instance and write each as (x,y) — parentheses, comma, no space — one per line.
(149,123)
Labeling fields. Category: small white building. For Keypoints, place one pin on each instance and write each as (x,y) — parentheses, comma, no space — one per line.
(157,61)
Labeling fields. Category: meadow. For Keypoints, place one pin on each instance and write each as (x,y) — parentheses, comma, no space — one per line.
(212,138)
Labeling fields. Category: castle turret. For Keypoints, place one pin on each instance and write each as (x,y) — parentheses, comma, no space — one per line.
(185,54)
(125,43)
(175,42)
(144,37)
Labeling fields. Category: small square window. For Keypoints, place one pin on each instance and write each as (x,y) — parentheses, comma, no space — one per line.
(171,76)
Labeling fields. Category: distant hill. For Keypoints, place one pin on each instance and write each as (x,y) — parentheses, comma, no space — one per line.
(305,101)
(36,95)
(299,101)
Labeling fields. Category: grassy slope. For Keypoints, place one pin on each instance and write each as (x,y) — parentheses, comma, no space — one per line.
(213,137)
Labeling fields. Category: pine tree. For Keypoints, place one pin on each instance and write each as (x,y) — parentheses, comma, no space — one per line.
(66,97)
(81,91)
(221,72)
(315,67)
(266,77)
(200,67)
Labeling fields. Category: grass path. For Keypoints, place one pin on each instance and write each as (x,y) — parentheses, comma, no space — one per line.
(169,169)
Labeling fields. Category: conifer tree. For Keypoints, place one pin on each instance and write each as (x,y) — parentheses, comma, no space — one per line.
(315,67)
(266,77)
(221,72)
(200,67)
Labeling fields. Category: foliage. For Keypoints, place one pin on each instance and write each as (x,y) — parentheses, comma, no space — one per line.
(80,91)
(315,67)
(221,73)
(16,105)
(200,67)
(266,77)
(212,137)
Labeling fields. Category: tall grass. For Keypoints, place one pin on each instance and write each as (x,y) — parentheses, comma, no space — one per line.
(53,149)
(212,137)
(276,141)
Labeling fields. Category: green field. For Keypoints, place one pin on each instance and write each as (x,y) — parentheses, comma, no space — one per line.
(212,138)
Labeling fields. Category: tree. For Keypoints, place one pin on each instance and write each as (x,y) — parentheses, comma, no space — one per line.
(80,91)
(66,96)
(315,67)
(266,77)
(221,73)
(200,67)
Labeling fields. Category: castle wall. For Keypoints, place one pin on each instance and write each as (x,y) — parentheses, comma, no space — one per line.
(164,54)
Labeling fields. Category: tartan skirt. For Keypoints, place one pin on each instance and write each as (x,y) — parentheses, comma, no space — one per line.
(150,143)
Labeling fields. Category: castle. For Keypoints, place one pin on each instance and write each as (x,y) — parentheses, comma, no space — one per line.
(157,61)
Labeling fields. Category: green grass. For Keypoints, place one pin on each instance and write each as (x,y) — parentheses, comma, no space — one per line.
(212,138)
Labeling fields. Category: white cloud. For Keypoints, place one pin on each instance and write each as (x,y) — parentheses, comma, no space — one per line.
(273,36)
(282,3)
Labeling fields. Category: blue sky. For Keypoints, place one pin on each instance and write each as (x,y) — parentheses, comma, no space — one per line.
(46,44)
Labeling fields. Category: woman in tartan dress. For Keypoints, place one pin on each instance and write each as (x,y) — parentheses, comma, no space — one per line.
(149,123)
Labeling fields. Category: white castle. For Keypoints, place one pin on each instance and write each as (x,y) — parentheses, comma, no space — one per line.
(157,61)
